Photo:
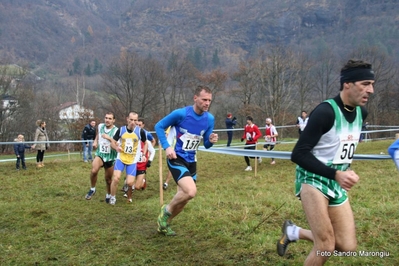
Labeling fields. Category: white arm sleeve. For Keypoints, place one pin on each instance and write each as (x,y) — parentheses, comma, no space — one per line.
(151,150)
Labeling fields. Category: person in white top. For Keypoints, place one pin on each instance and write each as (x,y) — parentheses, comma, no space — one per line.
(105,156)
(270,137)
(302,121)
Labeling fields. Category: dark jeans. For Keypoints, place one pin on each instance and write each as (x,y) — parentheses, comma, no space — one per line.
(229,137)
(21,159)
(87,151)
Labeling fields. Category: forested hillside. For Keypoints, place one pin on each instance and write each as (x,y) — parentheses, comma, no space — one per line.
(260,57)
(49,35)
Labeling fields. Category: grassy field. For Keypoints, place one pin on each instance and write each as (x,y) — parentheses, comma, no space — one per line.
(235,218)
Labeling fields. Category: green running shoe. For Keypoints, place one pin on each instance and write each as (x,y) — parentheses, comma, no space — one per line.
(163,226)
(163,217)
(167,231)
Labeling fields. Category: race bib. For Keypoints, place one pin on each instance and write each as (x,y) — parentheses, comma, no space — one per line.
(128,146)
(346,150)
(142,158)
(105,147)
(191,142)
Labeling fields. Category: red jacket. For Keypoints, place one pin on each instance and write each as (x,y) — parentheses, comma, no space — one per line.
(251,134)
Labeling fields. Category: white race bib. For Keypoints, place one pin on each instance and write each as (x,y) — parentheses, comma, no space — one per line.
(128,146)
(105,146)
(346,150)
(191,142)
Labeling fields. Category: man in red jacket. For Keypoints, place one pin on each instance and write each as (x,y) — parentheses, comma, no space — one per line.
(251,135)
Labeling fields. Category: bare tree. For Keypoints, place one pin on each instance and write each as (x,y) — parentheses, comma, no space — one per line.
(277,74)
(303,82)
(121,81)
(383,105)
(135,84)
(325,75)
(247,78)
(215,80)
(152,84)
(181,74)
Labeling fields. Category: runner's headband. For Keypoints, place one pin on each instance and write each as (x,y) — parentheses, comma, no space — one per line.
(356,74)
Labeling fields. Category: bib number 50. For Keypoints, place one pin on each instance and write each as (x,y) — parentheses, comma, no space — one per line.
(348,149)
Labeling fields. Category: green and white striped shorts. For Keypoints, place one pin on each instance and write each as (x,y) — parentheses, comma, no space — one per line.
(331,189)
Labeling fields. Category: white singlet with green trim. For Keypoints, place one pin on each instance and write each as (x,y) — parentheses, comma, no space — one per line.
(335,149)
(104,149)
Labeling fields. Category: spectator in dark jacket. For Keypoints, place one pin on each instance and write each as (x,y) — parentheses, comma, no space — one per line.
(230,123)
(19,149)
(88,135)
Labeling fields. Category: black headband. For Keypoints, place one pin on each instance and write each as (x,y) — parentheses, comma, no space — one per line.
(356,74)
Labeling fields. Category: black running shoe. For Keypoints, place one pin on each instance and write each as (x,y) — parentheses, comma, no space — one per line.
(282,244)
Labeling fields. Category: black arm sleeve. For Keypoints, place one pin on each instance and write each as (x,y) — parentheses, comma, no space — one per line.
(143,135)
(320,122)
(116,135)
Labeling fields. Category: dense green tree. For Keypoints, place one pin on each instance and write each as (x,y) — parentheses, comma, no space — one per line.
(88,71)
(215,59)
(76,66)
(97,67)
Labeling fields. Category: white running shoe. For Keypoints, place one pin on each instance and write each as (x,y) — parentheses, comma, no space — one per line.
(249,168)
(165,186)
(112,201)
(259,160)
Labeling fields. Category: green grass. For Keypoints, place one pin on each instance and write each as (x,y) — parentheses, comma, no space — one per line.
(235,219)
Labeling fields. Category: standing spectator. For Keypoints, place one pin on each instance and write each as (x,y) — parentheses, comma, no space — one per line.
(104,157)
(19,149)
(270,137)
(189,125)
(88,135)
(251,136)
(43,145)
(230,123)
(302,121)
(323,155)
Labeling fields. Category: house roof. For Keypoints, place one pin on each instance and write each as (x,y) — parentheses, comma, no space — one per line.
(7,97)
(65,105)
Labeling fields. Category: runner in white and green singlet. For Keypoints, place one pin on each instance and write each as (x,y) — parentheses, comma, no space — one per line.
(105,155)
(323,154)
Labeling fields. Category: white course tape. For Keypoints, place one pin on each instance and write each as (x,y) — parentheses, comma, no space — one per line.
(282,154)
